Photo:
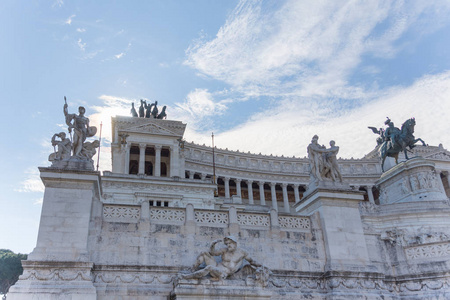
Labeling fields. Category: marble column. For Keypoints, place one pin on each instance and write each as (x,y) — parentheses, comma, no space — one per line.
(296,193)
(261,193)
(370,194)
(142,147)
(439,179)
(274,195)
(127,158)
(285,198)
(191,175)
(203,176)
(250,191)
(227,187)
(173,162)
(158,160)
(238,187)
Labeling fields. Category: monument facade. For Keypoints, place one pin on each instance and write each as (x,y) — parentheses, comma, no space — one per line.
(157,227)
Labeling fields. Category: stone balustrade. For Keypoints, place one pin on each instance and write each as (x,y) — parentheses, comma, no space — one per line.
(209,218)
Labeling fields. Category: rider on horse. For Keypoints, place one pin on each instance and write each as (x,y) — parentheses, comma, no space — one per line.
(391,133)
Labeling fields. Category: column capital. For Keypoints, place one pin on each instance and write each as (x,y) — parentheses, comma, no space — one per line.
(142,145)
(158,147)
(284,185)
(273,184)
(249,181)
(238,180)
(227,178)
(296,185)
(261,182)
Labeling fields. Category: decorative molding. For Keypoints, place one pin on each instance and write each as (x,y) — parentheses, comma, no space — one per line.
(120,213)
(211,217)
(428,251)
(166,215)
(294,222)
(59,274)
(259,220)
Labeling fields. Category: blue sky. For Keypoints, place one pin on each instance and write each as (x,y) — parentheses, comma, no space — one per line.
(265,76)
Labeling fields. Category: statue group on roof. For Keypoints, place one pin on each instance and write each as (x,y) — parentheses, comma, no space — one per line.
(323,161)
(149,111)
(75,148)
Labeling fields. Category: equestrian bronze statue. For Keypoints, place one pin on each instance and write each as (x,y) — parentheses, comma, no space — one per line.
(392,140)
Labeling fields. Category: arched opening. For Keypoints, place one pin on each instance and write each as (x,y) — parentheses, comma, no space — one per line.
(220,187)
(134,167)
(163,169)
(148,168)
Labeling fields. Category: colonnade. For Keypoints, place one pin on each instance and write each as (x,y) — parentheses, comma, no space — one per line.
(154,160)
(266,191)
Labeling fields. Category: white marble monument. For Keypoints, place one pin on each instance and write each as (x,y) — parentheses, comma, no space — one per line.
(296,228)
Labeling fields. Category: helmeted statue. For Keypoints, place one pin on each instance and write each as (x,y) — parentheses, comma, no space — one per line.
(80,125)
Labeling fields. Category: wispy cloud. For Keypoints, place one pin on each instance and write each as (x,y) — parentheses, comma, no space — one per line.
(58,3)
(120,55)
(81,30)
(289,128)
(306,49)
(199,108)
(69,20)
(81,45)
(32,183)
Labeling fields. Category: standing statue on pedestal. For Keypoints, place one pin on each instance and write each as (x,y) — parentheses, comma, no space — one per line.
(80,125)
(394,140)
(232,259)
(331,168)
(323,161)
(82,150)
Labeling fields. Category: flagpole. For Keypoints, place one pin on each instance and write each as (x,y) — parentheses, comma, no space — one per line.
(100,144)
(216,194)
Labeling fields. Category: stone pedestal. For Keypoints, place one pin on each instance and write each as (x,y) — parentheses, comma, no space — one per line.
(414,180)
(59,267)
(218,290)
(345,244)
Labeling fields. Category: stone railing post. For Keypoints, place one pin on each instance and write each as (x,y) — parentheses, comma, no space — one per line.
(233,225)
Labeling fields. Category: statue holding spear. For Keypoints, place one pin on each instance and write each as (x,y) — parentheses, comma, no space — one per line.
(80,125)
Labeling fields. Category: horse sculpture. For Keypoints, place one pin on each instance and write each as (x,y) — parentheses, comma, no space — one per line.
(401,141)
